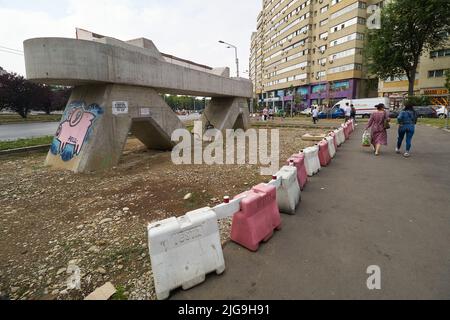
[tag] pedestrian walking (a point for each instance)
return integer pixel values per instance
(379, 123)
(265, 114)
(315, 115)
(407, 121)
(271, 114)
(353, 113)
(348, 112)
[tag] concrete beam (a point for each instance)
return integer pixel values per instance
(79, 62)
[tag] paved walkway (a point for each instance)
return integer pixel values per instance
(360, 211)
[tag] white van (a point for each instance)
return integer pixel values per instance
(364, 107)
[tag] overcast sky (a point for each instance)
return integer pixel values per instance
(189, 29)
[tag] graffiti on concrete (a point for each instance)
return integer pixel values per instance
(74, 130)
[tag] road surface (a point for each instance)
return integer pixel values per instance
(31, 130)
(361, 211)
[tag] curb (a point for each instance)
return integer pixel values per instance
(25, 150)
(293, 126)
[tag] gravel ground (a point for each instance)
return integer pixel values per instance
(54, 223)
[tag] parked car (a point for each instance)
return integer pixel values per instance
(441, 111)
(335, 113)
(307, 112)
(393, 114)
(425, 112)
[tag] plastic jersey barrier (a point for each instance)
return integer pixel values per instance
(324, 153)
(299, 163)
(288, 194)
(331, 146)
(258, 218)
(184, 250)
(312, 161)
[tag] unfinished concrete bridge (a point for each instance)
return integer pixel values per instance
(117, 87)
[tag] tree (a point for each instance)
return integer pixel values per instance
(408, 28)
(447, 80)
(16, 94)
(22, 96)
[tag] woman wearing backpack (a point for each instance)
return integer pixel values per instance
(407, 120)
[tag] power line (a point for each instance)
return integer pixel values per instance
(10, 52)
(11, 49)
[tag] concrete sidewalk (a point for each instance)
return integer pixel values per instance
(362, 210)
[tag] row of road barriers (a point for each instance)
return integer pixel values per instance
(184, 250)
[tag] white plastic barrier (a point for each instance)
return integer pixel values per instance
(352, 122)
(312, 161)
(184, 250)
(288, 193)
(341, 136)
(331, 148)
(228, 209)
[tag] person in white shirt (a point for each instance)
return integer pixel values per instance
(315, 115)
(348, 112)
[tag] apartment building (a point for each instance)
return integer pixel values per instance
(430, 78)
(310, 49)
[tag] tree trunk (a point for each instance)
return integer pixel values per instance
(412, 80)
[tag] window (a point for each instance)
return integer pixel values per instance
(356, 5)
(353, 36)
(324, 36)
(324, 9)
(347, 67)
(323, 22)
(321, 74)
(436, 73)
(440, 53)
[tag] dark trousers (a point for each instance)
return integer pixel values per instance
(315, 120)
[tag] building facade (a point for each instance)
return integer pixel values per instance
(430, 79)
(310, 52)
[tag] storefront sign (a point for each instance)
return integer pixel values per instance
(436, 92)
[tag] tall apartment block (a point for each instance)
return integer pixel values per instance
(313, 50)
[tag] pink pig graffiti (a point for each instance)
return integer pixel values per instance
(74, 130)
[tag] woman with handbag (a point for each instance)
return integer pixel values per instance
(379, 123)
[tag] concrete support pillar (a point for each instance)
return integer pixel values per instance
(96, 123)
(227, 113)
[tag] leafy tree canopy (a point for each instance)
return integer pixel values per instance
(408, 27)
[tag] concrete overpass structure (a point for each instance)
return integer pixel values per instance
(117, 87)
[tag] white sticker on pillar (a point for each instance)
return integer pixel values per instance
(145, 112)
(119, 107)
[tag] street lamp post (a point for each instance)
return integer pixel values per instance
(236, 54)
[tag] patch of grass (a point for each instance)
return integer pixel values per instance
(120, 294)
(439, 123)
(23, 143)
(15, 118)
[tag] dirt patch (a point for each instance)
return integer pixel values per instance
(51, 220)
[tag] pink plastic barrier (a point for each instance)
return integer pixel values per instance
(324, 153)
(346, 131)
(350, 126)
(299, 163)
(258, 218)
